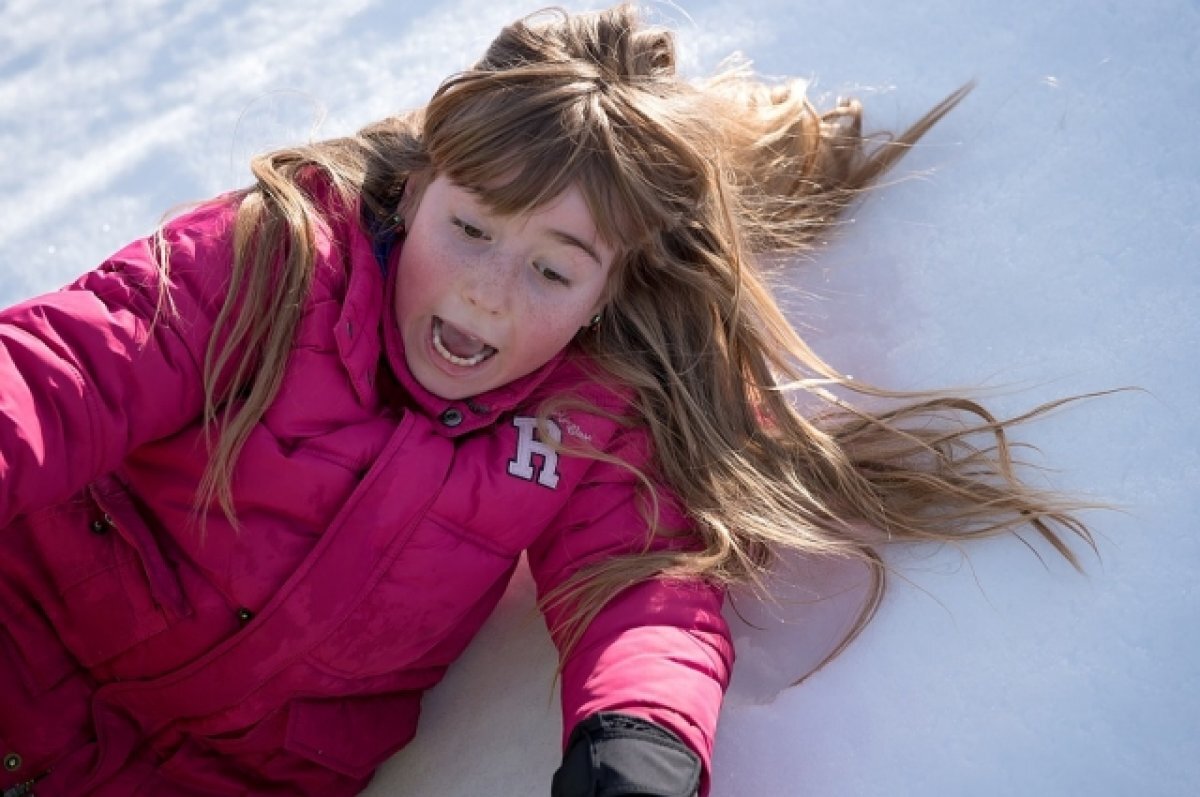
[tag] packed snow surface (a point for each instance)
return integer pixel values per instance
(1040, 242)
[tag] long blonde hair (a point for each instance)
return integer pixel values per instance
(696, 186)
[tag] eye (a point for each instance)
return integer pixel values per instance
(551, 275)
(470, 230)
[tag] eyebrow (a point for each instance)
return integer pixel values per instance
(571, 240)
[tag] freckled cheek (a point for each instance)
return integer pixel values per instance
(422, 280)
(550, 326)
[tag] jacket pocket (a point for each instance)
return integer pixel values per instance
(31, 648)
(106, 584)
(422, 605)
(352, 735)
(44, 700)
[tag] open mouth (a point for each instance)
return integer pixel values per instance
(457, 346)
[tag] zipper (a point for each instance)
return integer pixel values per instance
(23, 789)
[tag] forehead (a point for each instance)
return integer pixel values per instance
(511, 184)
(567, 212)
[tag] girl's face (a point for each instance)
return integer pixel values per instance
(484, 299)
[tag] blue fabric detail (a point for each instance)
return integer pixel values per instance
(383, 238)
(382, 243)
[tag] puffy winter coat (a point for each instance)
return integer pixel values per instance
(380, 526)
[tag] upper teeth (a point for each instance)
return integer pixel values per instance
(465, 362)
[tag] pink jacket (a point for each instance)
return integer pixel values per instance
(377, 535)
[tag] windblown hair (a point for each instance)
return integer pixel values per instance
(695, 186)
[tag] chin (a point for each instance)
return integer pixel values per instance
(450, 390)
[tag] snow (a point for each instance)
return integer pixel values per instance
(1040, 242)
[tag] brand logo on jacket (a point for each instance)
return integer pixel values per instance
(543, 469)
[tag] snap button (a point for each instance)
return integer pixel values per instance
(12, 762)
(452, 417)
(244, 615)
(99, 527)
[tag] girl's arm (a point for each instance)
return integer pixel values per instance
(90, 372)
(650, 669)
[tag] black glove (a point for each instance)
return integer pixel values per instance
(616, 755)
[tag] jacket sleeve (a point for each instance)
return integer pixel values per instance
(87, 373)
(659, 650)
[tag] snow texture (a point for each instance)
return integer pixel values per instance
(1040, 242)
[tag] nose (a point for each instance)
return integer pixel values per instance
(489, 283)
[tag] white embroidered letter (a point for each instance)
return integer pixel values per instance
(521, 465)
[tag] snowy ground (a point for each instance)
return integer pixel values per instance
(1047, 247)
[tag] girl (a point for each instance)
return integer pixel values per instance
(265, 473)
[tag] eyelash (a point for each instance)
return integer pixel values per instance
(552, 275)
(471, 232)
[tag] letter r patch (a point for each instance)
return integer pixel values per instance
(528, 446)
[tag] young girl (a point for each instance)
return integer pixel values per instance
(265, 473)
